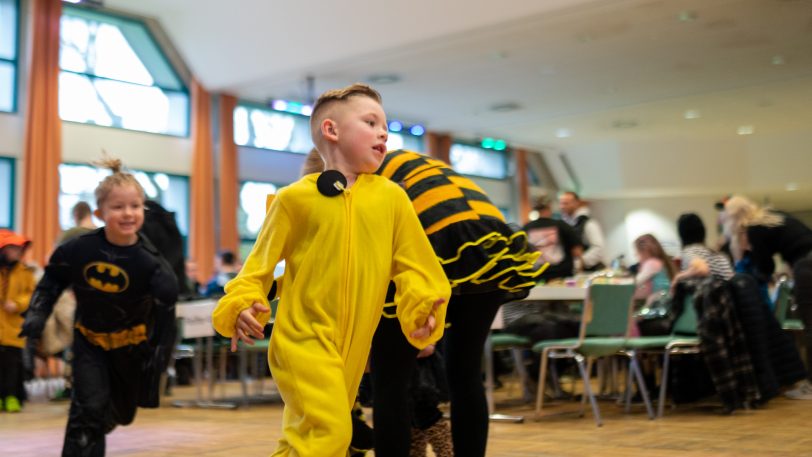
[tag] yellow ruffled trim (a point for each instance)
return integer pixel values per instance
(526, 260)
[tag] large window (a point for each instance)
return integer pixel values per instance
(114, 74)
(403, 140)
(265, 128)
(78, 182)
(476, 161)
(8, 54)
(6, 192)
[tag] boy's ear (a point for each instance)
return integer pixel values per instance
(97, 212)
(329, 129)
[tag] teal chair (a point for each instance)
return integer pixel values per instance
(683, 340)
(515, 344)
(782, 301)
(604, 329)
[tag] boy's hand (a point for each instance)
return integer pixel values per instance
(10, 307)
(248, 326)
(427, 328)
(429, 350)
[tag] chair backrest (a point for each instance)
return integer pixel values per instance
(782, 300)
(608, 309)
(686, 322)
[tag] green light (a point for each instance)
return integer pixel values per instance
(487, 143)
(499, 145)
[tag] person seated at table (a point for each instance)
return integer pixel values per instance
(656, 270)
(556, 240)
(226, 271)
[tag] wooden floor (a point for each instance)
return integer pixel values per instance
(780, 429)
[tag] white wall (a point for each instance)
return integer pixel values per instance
(623, 220)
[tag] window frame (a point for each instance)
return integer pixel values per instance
(185, 178)
(15, 62)
(12, 191)
(242, 182)
(143, 24)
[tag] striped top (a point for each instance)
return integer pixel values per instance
(440, 196)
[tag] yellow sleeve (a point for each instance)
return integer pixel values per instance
(419, 279)
(25, 289)
(254, 281)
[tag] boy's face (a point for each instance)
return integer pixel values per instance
(12, 253)
(122, 211)
(362, 133)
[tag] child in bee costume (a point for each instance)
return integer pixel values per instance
(125, 293)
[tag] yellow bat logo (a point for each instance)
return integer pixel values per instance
(106, 277)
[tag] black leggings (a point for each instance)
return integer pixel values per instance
(393, 362)
(11, 372)
(802, 274)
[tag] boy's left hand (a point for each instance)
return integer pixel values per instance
(426, 330)
(10, 306)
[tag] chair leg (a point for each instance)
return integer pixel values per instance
(589, 362)
(628, 395)
(663, 384)
(556, 381)
(542, 382)
(521, 370)
(588, 390)
(641, 384)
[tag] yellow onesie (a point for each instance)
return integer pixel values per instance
(340, 253)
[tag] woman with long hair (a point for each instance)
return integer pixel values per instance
(764, 233)
(656, 268)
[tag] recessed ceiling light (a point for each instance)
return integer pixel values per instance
(692, 114)
(384, 78)
(745, 130)
(792, 186)
(778, 60)
(624, 124)
(687, 16)
(563, 133)
(505, 107)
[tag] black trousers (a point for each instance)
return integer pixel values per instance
(105, 394)
(802, 274)
(11, 372)
(393, 361)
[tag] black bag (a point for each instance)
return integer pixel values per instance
(657, 316)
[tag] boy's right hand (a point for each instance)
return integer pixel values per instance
(248, 326)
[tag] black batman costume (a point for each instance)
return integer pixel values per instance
(123, 334)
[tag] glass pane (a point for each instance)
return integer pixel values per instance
(113, 47)
(268, 129)
(8, 29)
(399, 140)
(251, 212)
(78, 183)
(6, 191)
(471, 160)
(118, 104)
(7, 86)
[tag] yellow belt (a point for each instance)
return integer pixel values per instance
(109, 341)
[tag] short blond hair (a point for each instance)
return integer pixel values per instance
(333, 97)
(118, 178)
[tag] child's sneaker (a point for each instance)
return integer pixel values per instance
(12, 404)
(802, 392)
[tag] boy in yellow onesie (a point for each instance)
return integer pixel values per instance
(342, 241)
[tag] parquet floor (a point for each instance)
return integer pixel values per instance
(782, 428)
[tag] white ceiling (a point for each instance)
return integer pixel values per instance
(590, 66)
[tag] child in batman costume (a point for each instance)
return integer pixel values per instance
(125, 293)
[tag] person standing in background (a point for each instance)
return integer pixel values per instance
(577, 215)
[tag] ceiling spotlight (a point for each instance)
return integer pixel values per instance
(778, 60)
(692, 114)
(563, 133)
(687, 16)
(624, 124)
(792, 186)
(384, 78)
(745, 130)
(395, 126)
(505, 107)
